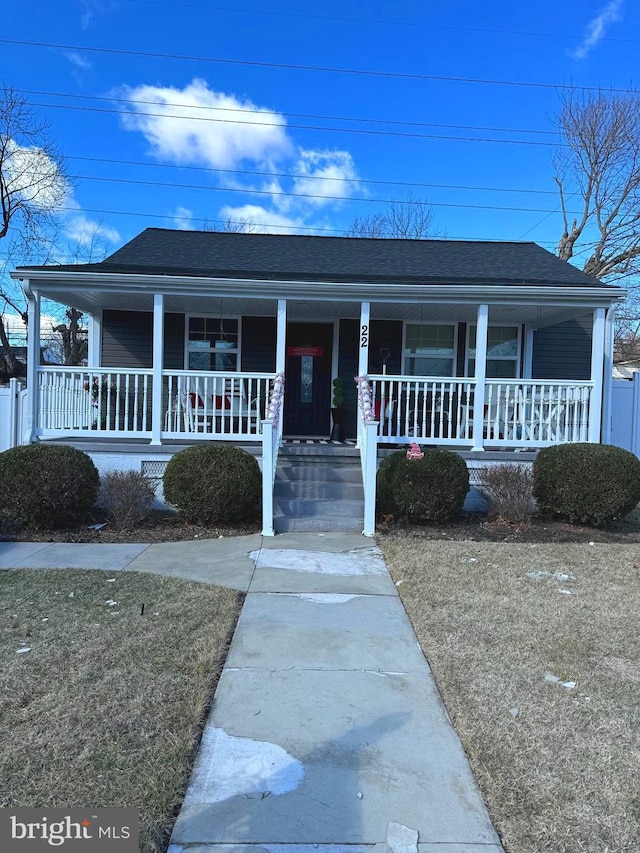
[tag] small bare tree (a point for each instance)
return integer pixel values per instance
(33, 186)
(412, 219)
(599, 166)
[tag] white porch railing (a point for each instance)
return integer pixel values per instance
(271, 440)
(90, 402)
(422, 408)
(368, 445)
(218, 405)
(516, 412)
(119, 403)
(536, 413)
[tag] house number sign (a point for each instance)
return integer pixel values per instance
(364, 336)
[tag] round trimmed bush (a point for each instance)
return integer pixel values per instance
(213, 483)
(431, 489)
(586, 483)
(47, 485)
(385, 504)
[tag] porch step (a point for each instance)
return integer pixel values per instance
(318, 491)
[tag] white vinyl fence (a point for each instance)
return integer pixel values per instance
(13, 398)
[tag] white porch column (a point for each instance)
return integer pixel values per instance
(482, 326)
(158, 355)
(608, 374)
(527, 365)
(281, 335)
(597, 374)
(363, 340)
(95, 339)
(33, 362)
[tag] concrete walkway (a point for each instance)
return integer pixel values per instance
(327, 731)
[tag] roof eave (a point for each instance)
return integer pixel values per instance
(325, 290)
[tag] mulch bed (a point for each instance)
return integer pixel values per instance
(476, 527)
(158, 527)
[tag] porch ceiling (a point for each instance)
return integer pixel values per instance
(92, 301)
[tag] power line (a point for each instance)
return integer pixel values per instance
(290, 226)
(284, 126)
(416, 24)
(271, 193)
(402, 75)
(285, 114)
(308, 177)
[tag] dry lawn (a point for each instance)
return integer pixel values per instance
(559, 768)
(107, 707)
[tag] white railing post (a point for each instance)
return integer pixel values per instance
(482, 326)
(607, 390)
(95, 339)
(370, 471)
(158, 355)
(363, 346)
(281, 335)
(14, 401)
(597, 374)
(33, 363)
(267, 478)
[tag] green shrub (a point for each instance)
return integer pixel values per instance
(126, 497)
(47, 485)
(384, 483)
(431, 489)
(213, 483)
(586, 483)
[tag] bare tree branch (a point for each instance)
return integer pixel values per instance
(412, 219)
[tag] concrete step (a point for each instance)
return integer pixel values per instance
(318, 489)
(308, 507)
(317, 524)
(328, 473)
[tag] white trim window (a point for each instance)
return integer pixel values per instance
(212, 343)
(503, 352)
(429, 349)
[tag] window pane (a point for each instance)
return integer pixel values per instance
(225, 360)
(501, 369)
(496, 369)
(502, 341)
(199, 360)
(428, 366)
(424, 339)
(306, 378)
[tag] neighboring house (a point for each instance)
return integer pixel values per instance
(473, 346)
(626, 369)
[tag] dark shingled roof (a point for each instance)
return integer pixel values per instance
(158, 251)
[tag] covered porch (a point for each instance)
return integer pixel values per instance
(463, 373)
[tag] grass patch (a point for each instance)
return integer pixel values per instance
(562, 774)
(107, 707)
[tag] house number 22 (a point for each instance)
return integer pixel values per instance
(364, 336)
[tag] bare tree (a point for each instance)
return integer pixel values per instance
(33, 186)
(599, 166)
(412, 219)
(242, 225)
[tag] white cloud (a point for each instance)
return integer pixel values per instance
(261, 220)
(85, 231)
(597, 28)
(78, 60)
(183, 220)
(31, 175)
(179, 133)
(185, 134)
(331, 174)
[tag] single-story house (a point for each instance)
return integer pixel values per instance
(474, 346)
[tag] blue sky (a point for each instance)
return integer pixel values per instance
(536, 43)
